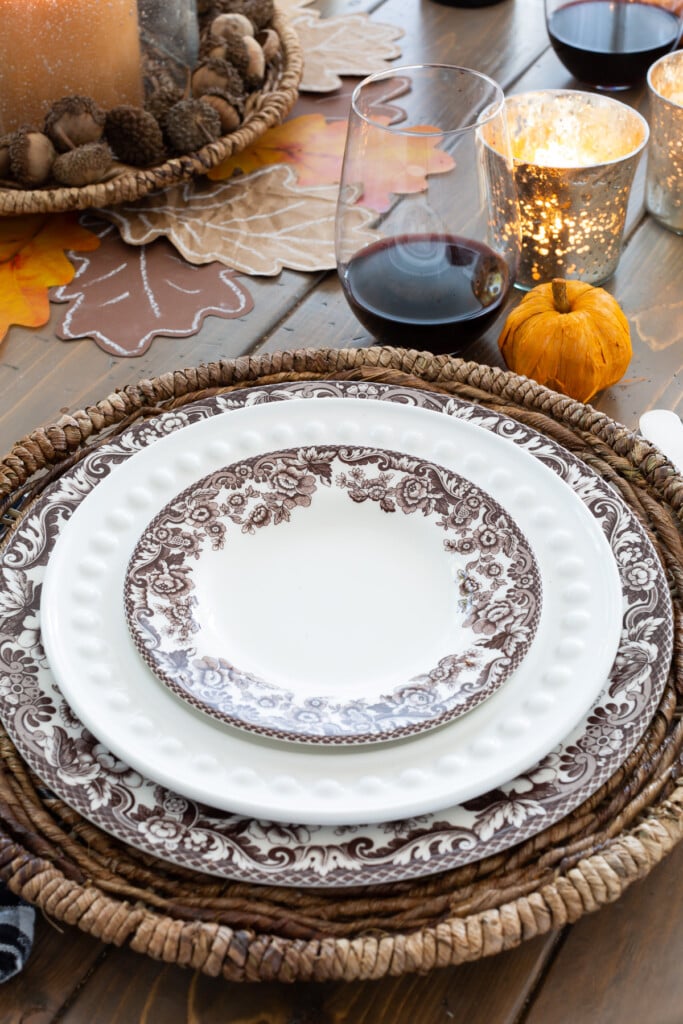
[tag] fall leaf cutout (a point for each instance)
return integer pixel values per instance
(313, 146)
(397, 164)
(257, 224)
(124, 297)
(32, 260)
(350, 44)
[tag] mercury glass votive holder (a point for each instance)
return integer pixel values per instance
(575, 155)
(664, 184)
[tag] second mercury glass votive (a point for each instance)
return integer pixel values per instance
(575, 155)
(664, 190)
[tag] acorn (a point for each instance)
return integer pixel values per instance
(217, 74)
(135, 136)
(231, 24)
(83, 165)
(31, 155)
(191, 124)
(161, 100)
(269, 41)
(234, 50)
(229, 111)
(74, 121)
(255, 71)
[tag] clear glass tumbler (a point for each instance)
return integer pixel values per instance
(610, 44)
(433, 260)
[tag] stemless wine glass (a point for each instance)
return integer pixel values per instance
(433, 260)
(610, 44)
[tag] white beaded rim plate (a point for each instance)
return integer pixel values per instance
(109, 687)
(240, 590)
(139, 811)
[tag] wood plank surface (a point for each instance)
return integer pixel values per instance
(622, 965)
(122, 987)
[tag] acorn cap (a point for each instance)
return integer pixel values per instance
(31, 155)
(234, 50)
(259, 12)
(74, 121)
(191, 124)
(161, 100)
(135, 136)
(83, 165)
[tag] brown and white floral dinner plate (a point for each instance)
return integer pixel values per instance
(138, 810)
(229, 576)
(111, 689)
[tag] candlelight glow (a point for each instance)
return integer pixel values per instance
(664, 190)
(574, 156)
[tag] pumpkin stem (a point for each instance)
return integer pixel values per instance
(562, 303)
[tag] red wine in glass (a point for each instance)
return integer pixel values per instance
(611, 44)
(426, 290)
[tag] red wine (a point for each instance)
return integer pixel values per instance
(426, 291)
(611, 44)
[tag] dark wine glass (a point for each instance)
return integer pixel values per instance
(610, 44)
(427, 232)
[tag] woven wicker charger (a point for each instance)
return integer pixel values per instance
(265, 108)
(77, 874)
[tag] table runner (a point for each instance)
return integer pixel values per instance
(52, 857)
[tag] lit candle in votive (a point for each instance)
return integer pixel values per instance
(664, 191)
(55, 48)
(574, 156)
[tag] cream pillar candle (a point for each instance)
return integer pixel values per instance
(55, 48)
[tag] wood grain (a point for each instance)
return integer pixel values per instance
(60, 961)
(128, 988)
(622, 965)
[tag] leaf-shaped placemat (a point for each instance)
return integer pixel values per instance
(351, 44)
(123, 297)
(257, 224)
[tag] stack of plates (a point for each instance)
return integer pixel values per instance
(329, 634)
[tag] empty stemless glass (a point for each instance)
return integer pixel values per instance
(435, 265)
(610, 44)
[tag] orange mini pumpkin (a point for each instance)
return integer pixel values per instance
(572, 336)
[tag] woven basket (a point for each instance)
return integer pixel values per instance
(265, 108)
(78, 875)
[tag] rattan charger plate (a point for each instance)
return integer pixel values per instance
(78, 875)
(265, 108)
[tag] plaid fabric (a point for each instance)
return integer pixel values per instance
(16, 933)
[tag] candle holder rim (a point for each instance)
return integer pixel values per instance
(674, 57)
(600, 100)
(493, 109)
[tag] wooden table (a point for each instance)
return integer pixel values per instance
(619, 965)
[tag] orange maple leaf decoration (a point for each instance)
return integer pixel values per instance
(395, 164)
(313, 146)
(32, 260)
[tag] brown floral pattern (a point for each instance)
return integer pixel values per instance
(496, 606)
(82, 772)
